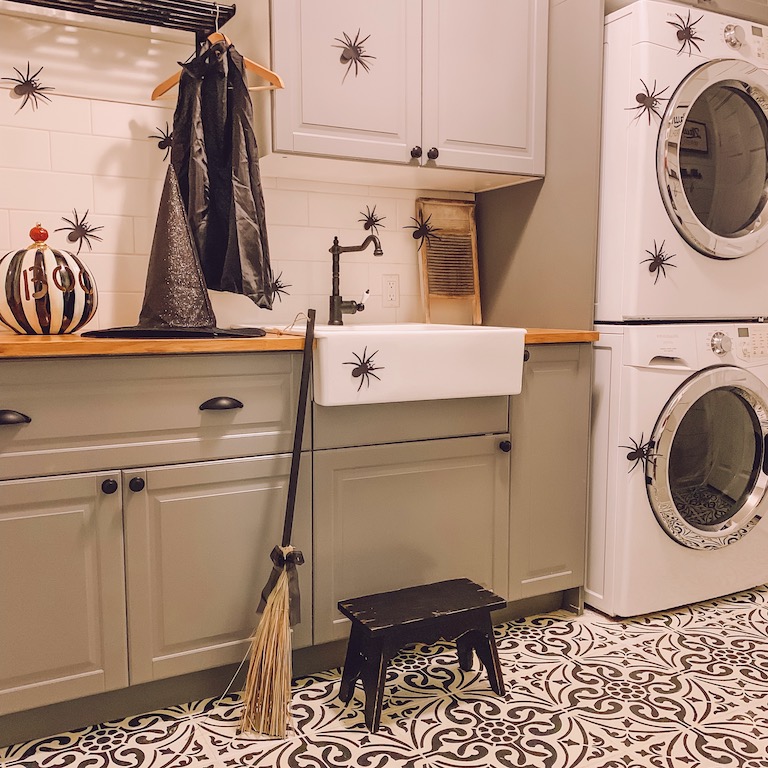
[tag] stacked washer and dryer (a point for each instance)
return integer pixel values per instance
(679, 466)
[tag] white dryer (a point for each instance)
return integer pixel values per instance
(683, 231)
(679, 471)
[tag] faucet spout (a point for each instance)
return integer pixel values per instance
(338, 306)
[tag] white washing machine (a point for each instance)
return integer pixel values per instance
(679, 470)
(683, 231)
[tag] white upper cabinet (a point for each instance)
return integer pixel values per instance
(436, 83)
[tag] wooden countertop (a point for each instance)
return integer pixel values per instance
(73, 345)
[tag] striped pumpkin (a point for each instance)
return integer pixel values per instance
(46, 291)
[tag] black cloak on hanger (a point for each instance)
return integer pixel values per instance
(215, 157)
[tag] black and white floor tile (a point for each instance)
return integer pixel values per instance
(680, 689)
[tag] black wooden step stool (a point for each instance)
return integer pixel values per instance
(382, 624)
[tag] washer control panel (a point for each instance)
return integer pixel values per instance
(721, 343)
(751, 342)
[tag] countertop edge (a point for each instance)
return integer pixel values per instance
(73, 345)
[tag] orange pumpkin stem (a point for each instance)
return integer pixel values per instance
(38, 233)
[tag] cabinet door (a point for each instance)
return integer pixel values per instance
(352, 75)
(394, 516)
(484, 84)
(62, 602)
(550, 439)
(198, 538)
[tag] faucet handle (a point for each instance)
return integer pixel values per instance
(361, 304)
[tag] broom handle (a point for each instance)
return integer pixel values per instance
(306, 366)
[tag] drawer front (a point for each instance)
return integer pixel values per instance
(99, 413)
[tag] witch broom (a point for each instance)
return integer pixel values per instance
(267, 692)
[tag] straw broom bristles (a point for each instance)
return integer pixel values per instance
(267, 692)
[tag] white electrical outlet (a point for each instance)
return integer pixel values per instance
(390, 291)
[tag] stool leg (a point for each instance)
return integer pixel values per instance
(485, 645)
(353, 663)
(374, 675)
(464, 647)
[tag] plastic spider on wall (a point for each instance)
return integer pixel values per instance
(29, 87)
(423, 230)
(277, 288)
(648, 101)
(353, 53)
(371, 220)
(80, 231)
(165, 139)
(659, 261)
(364, 368)
(686, 33)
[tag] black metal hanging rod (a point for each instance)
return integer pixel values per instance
(199, 16)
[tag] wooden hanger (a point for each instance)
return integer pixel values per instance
(216, 37)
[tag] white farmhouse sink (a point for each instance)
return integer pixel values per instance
(415, 361)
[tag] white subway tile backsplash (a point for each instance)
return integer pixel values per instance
(24, 148)
(106, 156)
(287, 207)
(61, 113)
(118, 274)
(126, 197)
(129, 121)
(5, 232)
(44, 190)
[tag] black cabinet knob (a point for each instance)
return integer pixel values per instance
(526, 356)
(505, 446)
(416, 152)
(109, 486)
(8, 416)
(221, 404)
(433, 153)
(136, 484)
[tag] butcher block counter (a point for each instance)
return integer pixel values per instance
(74, 345)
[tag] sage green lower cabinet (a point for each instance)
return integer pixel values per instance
(197, 542)
(549, 423)
(62, 600)
(398, 515)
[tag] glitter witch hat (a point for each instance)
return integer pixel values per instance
(176, 302)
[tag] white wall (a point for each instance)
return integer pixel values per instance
(88, 149)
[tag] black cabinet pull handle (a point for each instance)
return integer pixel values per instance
(416, 152)
(136, 484)
(109, 486)
(8, 416)
(505, 446)
(526, 356)
(433, 153)
(221, 404)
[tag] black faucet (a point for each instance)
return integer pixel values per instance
(338, 306)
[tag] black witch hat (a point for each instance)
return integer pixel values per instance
(176, 302)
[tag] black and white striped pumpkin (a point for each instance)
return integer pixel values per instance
(46, 291)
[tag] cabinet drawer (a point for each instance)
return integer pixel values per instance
(99, 413)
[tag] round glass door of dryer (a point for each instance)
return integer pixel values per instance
(706, 464)
(712, 158)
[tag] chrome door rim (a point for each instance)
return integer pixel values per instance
(755, 394)
(738, 75)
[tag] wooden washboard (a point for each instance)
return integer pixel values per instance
(449, 256)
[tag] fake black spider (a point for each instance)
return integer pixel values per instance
(658, 261)
(371, 220)
(639, 452)
(80, 230)
(29, 87)
(686, 33)
(166, 139)
(353, 53)
(648, 101)
(364, 368)
(423, 230)
(277, 288)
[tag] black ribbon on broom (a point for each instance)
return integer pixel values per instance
(285, 560)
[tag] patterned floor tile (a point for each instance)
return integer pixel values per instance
(686, 688)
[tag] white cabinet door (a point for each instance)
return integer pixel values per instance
(352, 74)
(62, 601)
(484, 84)
(395, 516)
(197, 542)
(440, 83)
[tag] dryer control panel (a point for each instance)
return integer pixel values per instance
(751, 342)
